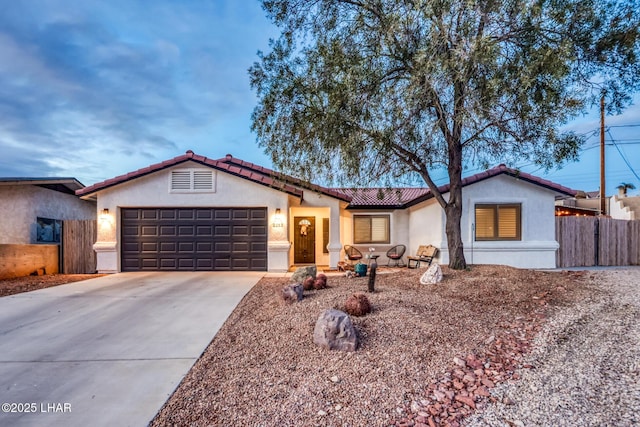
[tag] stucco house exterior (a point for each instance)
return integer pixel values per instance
(196, 213)
(26, 202)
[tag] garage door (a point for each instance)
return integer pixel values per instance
(194, 239)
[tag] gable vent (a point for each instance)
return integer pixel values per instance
(180, 180)
(203, 180)
(192, 180)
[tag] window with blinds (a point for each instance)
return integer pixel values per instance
(371, 229)
(192, 180)
(498, 221)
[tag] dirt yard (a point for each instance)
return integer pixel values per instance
(33, 283)
(428, 354)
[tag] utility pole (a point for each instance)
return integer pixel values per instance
(603, 204)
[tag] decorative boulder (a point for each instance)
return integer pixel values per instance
(335, 331)
(358, 305)
(302, 273)
(432, 276)
(308, 283)
(319, 284)
(292, 293)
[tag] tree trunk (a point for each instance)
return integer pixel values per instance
(453, 209)
(453, 214)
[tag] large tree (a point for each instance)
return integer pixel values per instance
(362, 90)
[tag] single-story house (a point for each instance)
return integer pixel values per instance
(32, 211)
(196, 213)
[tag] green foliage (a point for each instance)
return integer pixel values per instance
(364, 90)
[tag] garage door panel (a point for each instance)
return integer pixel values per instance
(194, 239)
(168, 230)
(222, 214)
(149, 263)
(222, 247)
(222, 231)
(258, 230)
(186, 214)
(130, 230)
(149, 247)
(149, 214)
(187, 247)
(168, 247)
(240, 214)
(204, 247)
(204, 231)
(240, 230)
(168, 214)
(149, 230)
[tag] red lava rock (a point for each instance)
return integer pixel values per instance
(487, 382)
(482, 391)
(432, 422)
(467, 401)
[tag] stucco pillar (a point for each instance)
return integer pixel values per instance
(335, 245)
(106, 246)
(278, 245)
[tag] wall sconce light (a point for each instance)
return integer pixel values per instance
(277, 219)
(105, 211)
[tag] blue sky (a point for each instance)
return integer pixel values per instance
(94, 89)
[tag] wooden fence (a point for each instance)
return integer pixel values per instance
(591, 241)
(78, 237)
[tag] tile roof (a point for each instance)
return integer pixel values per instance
(362, 198)
(383, 197)
(278, 176)
(367, 198)
(63, 185)
(228, 164)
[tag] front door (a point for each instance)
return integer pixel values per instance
(304, 240)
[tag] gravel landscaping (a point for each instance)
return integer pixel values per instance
(32, 283)
(428, 354)
(587, 364)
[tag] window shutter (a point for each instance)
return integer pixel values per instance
(508, 222)
(180, 180)
(485, 222)
(360, 229)
(379, 229)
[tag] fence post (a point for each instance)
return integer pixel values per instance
(596, 236)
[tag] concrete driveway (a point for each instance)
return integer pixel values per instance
(108, 351)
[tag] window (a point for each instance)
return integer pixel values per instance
(325, 235)
(192, 180)
(371, 229)
(498, 221)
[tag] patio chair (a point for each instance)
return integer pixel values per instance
(423, 254)
(352, 253)
(395, 255)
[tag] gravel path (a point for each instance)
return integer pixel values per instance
(586, 364)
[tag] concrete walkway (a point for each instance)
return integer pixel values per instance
(108, 351)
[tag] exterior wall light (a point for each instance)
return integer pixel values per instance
(277, 221)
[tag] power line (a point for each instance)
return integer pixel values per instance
(623, 157)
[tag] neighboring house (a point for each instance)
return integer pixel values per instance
(196, 213)
(625, 207)
(32, 209)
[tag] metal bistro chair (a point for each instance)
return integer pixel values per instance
(395, 255)
(352, 253)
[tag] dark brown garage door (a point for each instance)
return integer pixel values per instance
(194, 239)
